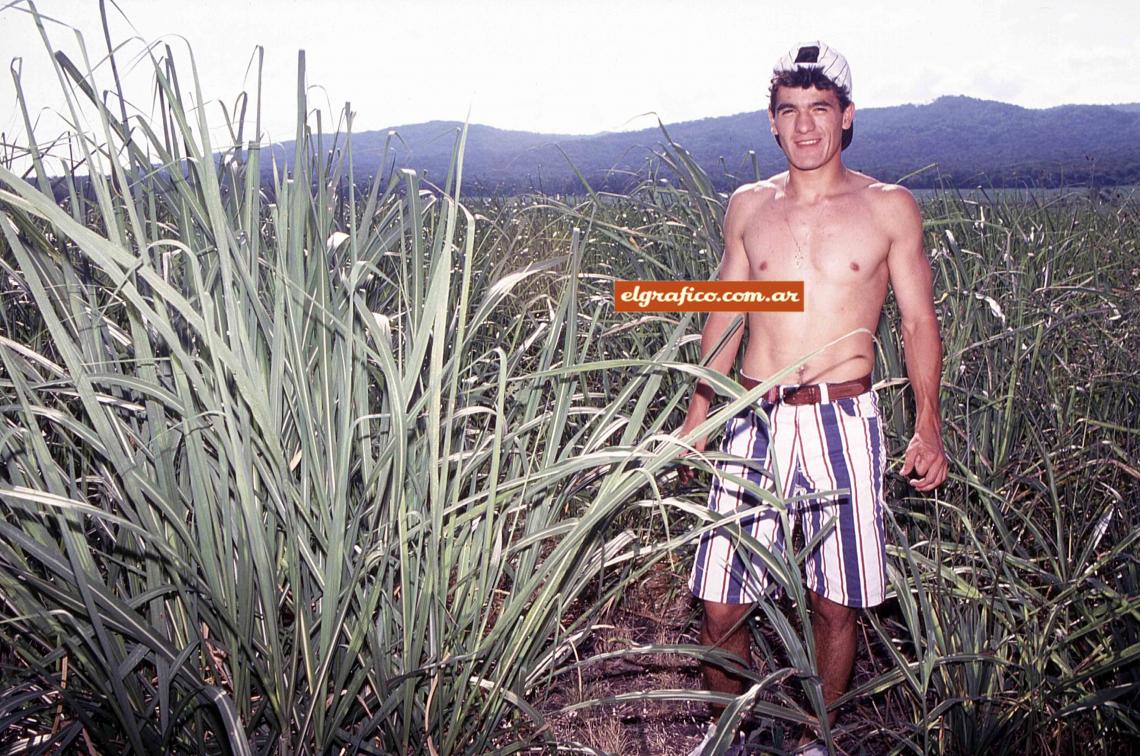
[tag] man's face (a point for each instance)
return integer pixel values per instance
(810, 125)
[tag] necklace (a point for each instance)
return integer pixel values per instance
(798, 260)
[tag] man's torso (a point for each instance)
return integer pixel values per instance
(838, 247)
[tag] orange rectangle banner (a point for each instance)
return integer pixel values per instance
(708, 296)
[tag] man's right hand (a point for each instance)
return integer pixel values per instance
(685, 473)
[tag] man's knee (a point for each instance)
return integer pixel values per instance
(723, 620)
(833, 616)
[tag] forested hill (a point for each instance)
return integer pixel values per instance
(973, 142)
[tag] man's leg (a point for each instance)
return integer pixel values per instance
(725, 578)
(833, 628)
(847, 569)
(724, 627)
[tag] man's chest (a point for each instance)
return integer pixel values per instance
(834, 248)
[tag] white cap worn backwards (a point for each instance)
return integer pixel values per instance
(817, 55)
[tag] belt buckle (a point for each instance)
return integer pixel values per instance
(801, 394)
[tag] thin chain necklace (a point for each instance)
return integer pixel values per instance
(798, 260)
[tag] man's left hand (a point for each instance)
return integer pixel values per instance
(925, 463)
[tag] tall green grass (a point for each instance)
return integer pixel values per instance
(1019, 593)
(359, 464)
(278, 476)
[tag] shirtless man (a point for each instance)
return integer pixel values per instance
(845, 235)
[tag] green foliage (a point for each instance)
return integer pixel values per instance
(323, 466)
(278, 476)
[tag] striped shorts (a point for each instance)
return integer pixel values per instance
(806, 453)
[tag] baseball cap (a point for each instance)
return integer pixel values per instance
(817, 55)
(831, 64)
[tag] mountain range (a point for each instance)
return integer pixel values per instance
(952, 141)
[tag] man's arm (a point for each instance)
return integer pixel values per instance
(912, 283)
(733, 267)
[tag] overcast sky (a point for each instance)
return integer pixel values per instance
(584, 66)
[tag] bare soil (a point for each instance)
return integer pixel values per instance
(660, 610)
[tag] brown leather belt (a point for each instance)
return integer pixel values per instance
(810, 393)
